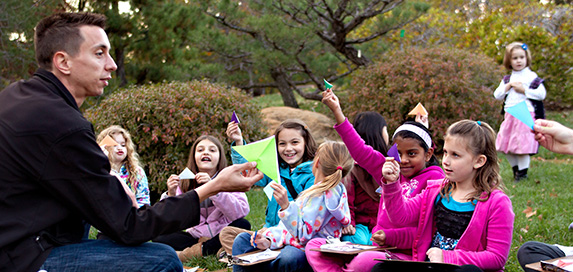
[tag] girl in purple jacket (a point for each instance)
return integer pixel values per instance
(464, 219)
(206, 158)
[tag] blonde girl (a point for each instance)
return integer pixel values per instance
(464, 219)
(515, 138)
(125, 162)
(320, 211)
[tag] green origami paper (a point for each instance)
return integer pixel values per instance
(264, 152)
(327, 84)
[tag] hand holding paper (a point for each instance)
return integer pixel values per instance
(264, 152)
(421, 114)
(327, 85)
(186, 174)
(391, 170)
(235, 118)
(554, 136)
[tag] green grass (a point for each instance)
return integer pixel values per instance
(548, 191)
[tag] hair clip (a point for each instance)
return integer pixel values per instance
(479, 123)
(524, 46)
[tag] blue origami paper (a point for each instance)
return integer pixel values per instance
(521, 112)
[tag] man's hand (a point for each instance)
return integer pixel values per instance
(234, 178)
(554, 136)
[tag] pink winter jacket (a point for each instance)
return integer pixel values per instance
(485, 243)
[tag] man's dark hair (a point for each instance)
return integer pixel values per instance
(60, 32)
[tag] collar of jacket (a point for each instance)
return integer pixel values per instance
(57, 87)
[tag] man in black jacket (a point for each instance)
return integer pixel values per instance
(54, 176)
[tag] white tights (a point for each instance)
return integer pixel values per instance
(520, 160)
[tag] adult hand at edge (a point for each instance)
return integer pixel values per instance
(234, 178)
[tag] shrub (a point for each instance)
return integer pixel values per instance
(452, 84)
(164, 120)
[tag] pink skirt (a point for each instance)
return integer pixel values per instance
(515, 137)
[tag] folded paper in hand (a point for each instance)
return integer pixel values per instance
(186, 174)
(264, 152)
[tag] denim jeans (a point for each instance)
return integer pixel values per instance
(106, 255)
(290, 258)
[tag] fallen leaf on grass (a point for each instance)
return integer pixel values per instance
(529, 212)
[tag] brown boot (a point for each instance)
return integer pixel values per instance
(190, 252)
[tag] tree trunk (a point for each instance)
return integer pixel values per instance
(284, 87)
(120, 72)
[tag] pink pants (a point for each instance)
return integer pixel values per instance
(334, 262)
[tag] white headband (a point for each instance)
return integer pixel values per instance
(416, 130)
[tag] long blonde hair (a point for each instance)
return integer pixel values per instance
(480, 138)
(335, 163)
(131, 160)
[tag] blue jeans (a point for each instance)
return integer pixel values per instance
(290, 258)
(106, 255)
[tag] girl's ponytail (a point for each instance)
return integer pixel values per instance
(335, 163)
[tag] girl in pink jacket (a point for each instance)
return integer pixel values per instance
(464, 219)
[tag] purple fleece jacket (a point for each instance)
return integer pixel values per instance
(372, 161)
(485, 242)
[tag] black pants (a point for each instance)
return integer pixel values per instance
(181, 240)
(533, 251)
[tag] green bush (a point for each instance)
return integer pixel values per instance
(452, 84)
(164, 120)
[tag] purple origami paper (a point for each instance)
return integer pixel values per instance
(393, 152)
(234, 118)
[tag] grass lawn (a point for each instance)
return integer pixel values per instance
(541, 203)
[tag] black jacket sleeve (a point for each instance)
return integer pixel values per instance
(77, 173)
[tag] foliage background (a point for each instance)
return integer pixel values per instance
(164, 120)
(452, 84)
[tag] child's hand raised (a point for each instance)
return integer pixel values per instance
(234, 133)
(422, 119)
(331, 100)
(172, 182)
(280, 194)
(391, 170)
